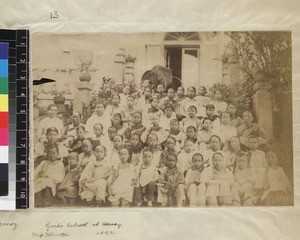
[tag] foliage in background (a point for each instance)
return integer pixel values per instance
(231, 95)
(268, 52)
(51, 89)
(107, 90)
(224, 89)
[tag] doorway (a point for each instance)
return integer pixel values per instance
(184, 63)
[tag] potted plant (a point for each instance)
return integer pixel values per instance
(58, 95)
(84, 65)
(129, 60)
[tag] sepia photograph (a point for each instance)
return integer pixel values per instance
(162, 119)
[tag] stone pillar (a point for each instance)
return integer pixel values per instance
(129, 72)
(233, 69)
(119, 60)
(262, 103)
(82, 95)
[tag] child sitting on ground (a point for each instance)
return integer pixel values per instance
(68, 189)
(144, 184)
(171, 184)
(120, 181)
(277, 191)
(48, 174)
(220, 184)
(93, 179)
(244, 178)
(195, 180)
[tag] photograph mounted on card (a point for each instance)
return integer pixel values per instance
(166, 119)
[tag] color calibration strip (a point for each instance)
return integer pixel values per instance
(18, 114)
(4, 159)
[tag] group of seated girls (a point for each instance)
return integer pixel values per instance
(162, 149)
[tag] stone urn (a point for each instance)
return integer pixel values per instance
(85, 77)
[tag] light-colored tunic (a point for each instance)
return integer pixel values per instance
(84, 159)
(121, 186)
(48, 174)
(145, 175)
(225, 132)
(92, 182)
(184, 160)
(276, 180)
(223, 188)
(258, 164)
(104, 120)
